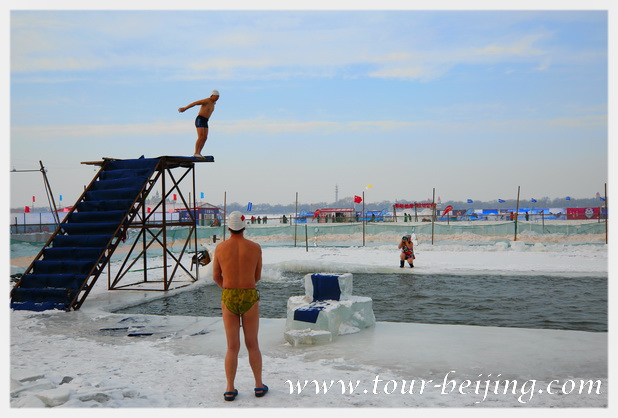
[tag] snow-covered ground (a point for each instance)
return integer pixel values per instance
(87, 358)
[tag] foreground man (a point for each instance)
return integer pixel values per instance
(237, 267)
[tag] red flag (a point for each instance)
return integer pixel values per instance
(447, 209)
(175, 197)
(33, 199)
(27, 209)
(357, 199)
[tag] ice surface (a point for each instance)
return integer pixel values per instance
(181, 364)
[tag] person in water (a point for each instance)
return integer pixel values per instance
(237, 267)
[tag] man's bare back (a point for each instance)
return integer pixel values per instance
(237, 263)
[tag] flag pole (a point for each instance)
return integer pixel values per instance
(517, 212)
(364, 220)
(606, 213)
(224, 212)
(433, 217)
(296, 219)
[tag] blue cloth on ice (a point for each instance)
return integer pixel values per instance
(325, 287)
(308, 313)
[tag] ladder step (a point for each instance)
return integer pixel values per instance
(63, 267)
(89, 228)
(97, 217)
(66, 281)
(72, 253)
(81, 240)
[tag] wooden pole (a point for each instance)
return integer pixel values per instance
(364, 220)
(606, 214)
(433, 217)
(517, 212)
(224, 213)
(296, 220)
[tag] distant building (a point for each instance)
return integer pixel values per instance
(207, 214)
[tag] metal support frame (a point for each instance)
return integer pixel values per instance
(153, 234)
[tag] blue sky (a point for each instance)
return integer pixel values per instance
(474, 103)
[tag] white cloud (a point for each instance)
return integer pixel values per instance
(413, 73)
(544, 65)
(183, 127)
(272, 126)
(586, 121)
(523, 47)
(249, 45)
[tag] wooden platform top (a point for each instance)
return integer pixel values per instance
(168, 160)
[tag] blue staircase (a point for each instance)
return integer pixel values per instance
(63, 273)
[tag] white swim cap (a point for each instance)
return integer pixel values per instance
(236, 221)
(215, 93)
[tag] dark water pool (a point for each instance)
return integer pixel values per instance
(486, 300)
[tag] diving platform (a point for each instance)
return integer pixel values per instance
(106, 215)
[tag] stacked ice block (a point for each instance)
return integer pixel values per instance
(328, 309)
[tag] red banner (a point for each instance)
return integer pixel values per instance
(357, 199)
(582, 213)
(413, 205)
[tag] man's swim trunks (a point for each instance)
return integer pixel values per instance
(239, 301)
(201, 122)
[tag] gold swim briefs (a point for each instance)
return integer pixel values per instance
(239, 301)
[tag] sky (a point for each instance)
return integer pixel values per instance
(474, 103)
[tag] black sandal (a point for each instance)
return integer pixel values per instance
(259, 392)
(230, 396)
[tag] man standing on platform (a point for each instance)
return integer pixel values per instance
(237, 267)
(207, 106)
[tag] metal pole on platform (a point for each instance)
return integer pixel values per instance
(164, 223)
(50, 194)
(195, 223)
(142, 232)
